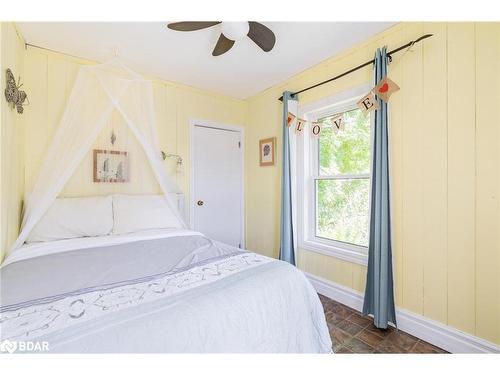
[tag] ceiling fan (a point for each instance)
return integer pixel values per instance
(231, 32)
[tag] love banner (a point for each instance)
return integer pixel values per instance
(367, 104)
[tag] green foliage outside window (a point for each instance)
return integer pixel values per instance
(342, 204)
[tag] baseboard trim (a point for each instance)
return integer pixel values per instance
(436, 333)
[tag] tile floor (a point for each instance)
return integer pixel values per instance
(353, 333)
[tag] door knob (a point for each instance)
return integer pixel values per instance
(199, 203)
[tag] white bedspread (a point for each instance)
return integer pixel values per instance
(195, 295)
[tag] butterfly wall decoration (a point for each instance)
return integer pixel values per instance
(12, 93)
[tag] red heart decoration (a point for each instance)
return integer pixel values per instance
(384, 88)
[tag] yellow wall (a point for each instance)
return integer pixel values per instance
(444, 126)
(11, 140)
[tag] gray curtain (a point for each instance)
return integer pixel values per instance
(287, 249)
(379, 296)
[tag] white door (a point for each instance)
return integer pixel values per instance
(217, 199)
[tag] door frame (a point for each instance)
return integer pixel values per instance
(216, 125)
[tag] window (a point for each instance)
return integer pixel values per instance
(342, 180)
(336, 183)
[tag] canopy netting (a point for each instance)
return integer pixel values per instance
(101, 93)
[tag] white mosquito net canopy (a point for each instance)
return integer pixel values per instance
(101, 94)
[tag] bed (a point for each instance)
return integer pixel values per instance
(158, 290)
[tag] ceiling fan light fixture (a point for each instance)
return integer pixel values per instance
(259, 33)
(235, 30)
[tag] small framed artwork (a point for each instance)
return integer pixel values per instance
(110, 166)
(266, 151)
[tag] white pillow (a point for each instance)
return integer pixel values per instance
(74, 217)
(133, 213)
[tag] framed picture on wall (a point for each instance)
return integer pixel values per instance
(266, 151)
(110, 166)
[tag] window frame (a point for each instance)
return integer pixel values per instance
(308, 174)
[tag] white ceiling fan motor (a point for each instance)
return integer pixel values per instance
(235, 30)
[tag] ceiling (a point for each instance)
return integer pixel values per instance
(186, 57)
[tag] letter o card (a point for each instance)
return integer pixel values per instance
(367, 103)
(316, 129)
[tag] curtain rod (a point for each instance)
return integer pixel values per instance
(407, 45)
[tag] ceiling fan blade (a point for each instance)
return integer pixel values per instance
(223, 45)
(192, 25)
(262, 36)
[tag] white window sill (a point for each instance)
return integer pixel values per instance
(339, 252)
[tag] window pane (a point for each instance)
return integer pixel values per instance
(342, 210)
(348, 151)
